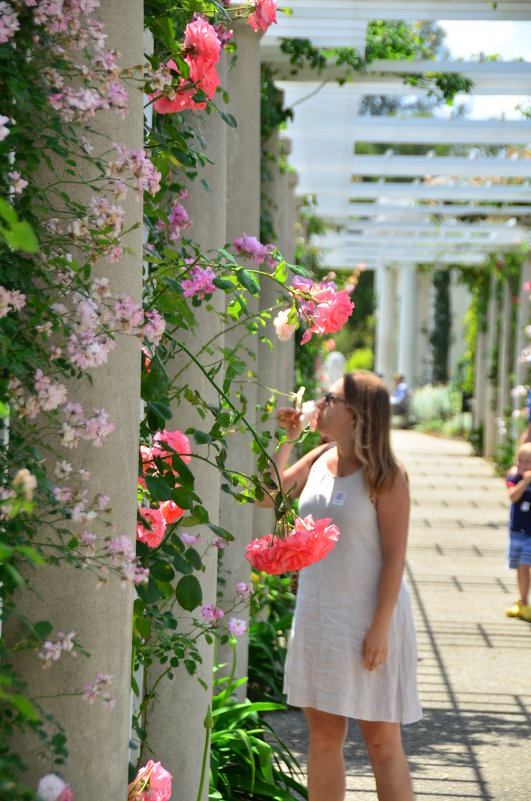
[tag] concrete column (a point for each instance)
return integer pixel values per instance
(286, 239)
(385, 324)
(459, 305)
(490, 400)
(423, 328)
(504, 358)
(97, 739)
(243, 215)
(520, 368)
(480, 393)
(407, 357)
(175, 728)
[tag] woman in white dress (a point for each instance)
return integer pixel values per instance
(353, 647)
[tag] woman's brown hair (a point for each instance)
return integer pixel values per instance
(367, 396)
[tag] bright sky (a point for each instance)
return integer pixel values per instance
(510, 40)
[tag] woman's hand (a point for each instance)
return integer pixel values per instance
(290, 419)
(374, 647)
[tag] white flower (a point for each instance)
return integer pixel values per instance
(50, 787)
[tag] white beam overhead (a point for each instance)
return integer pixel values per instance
(388, 210)
(330, 24)
(433, 130)
(444, 9)
(391, 257)
(419, 166)
(384, 77)
(434, 242)
(451, 191)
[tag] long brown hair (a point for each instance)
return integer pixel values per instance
(368, 397)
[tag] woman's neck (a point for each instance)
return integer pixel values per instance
(347, 461)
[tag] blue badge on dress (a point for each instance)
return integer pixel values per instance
(339, 498)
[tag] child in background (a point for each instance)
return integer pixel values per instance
(519, 551)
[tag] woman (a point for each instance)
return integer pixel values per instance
(353, 647)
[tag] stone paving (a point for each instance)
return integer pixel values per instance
(474, 669)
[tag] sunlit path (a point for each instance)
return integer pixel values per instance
(473, 742)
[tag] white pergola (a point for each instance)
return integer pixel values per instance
(397, 212)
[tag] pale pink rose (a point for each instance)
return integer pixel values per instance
(152, 783)
(170, 511)
(264, 15)
(153, 536)
(52, 788)
(283, 329)
(237, 627)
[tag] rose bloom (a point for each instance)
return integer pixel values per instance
(170, 511)
(158, 783)
(153, 536)
(265, 13)
(309, 542)
(283, 329)
(52, 788)
(176, 440)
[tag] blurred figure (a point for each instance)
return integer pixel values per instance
(400, 396)
(519, 551)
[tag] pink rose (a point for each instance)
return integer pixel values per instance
(151, 536)
(265, 13)
(176, 440)
(152, 783)
(309, 542)
(170, 511)
(202, 44)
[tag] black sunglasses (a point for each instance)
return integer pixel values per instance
(331, 397)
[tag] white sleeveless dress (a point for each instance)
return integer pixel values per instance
(336, 599)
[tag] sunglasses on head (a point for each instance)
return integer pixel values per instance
(331, 397)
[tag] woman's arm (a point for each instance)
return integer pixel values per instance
(393, 522)
(293, 478)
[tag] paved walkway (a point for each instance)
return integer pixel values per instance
(474, 741)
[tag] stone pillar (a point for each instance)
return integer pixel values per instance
(490, 399)
(385, 324)
(286, 239)
(480, 393)
(459, 305)
(175, 728)
(407, 357)
(522, 320)
(97, 738)
(243, 215)
(504, 359)
(423, 328)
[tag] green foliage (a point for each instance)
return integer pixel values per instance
(440, 334)
(432, 404)
(362, 359)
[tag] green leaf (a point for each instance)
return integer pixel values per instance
(229, 119)
(149, 593)
(281, 274)
(200, 514)
(221, 532)
(158, 488)
(160, 409)
(160, 570)
(4, 410)
(42, 628)
(182, 565)
(22, 237)
(25, 707)
(194, 558)
(189, 593)
(248, 280)
(6, 551)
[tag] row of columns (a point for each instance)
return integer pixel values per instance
(98, 739)
(404, 319)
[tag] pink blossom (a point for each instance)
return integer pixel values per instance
(4, 130)
(250, 247)
(18, 184)
(137, 164)
(188, 539)
(237, 627)
(11, 300)
(154, 327)
(174, 439)
(51, 393)
(325, 309)
(264, 14)
(211, 613)
(244, 590)
(283, 328)
(153, 535)
(309, 542)
(200, 282)
(178, 221)
(171, 512)
(62, 494)
(9, 23)
(152, 783)
(52, 788)
(219, 543)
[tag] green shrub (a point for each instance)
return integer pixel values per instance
(361, 359)
(433, 404)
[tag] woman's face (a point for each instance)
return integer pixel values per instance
(335, 416)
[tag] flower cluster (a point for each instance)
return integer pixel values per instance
(135, 166)
(102, 681)
(122, 557)
(152, 783)
(202, 48)
(264, 14)
(252, 249)
(11, 300)
(309, 541)
(51, 651)
(200, 283)
(324, 308)
(178, 221)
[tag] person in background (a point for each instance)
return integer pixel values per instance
(519, 550)
(526, 435)
(400, 396)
